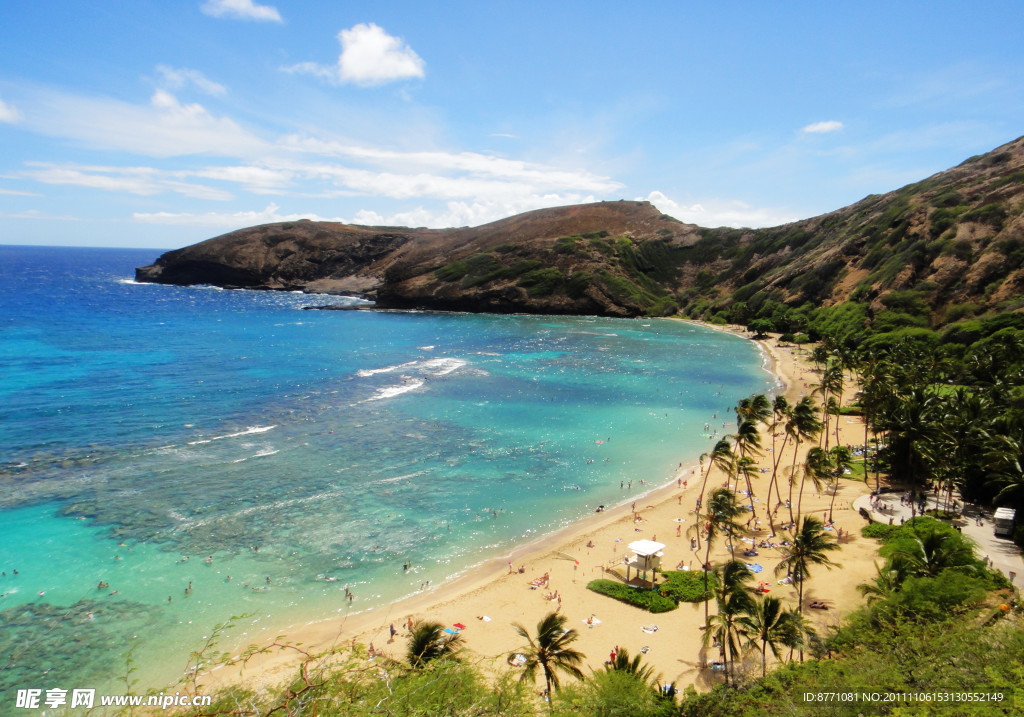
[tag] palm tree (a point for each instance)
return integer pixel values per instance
(722, 457)
(886, 582)
(802, 425)
(818, 467)
(753, 408)
(810, 546)
(841, 459)
(551, 651)
(934, 551)
(912, 423)
(831, 383)
(780, 414)
(874, 391)
(964, 433)
(748, 441)
(847, 360)
(430, 642)
(797, 631)
(733, 600)
(719, 517)
(1006, 458)
(635, 667)
(766, 623)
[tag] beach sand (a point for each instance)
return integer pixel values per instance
(675, 648)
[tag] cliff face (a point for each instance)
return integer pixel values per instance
(305, 255)
(564, 260)
(955, 237)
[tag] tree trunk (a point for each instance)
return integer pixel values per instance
(792, 478)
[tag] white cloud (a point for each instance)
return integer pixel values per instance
(227, 220)
(312, 68)
(369, 57)
(823, 127)
(466, 214)
(417, 165)
(721, 213)
(9, 113)
(19, 193)
(255, 179)
(36, 214)
(178, 77)
(241, 10)
(163, 128)
(453, 214)
(140, 181)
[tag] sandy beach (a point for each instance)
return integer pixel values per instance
(495, 594)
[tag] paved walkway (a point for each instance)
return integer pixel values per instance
(1005, 555)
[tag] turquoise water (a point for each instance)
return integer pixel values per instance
(159, 437)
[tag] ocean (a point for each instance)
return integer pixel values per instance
(175, 457)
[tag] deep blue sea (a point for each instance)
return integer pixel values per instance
(155, 438)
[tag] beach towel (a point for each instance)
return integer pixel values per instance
(460, 626)
(754, 567)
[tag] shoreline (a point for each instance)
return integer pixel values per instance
(572, 555)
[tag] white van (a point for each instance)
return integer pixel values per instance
(1003, 520)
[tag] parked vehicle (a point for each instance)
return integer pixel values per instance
(1004, 520)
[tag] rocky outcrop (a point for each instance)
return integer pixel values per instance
(308, 256)
(954, 238)
(562, 260)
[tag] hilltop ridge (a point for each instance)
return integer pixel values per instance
(955, 241)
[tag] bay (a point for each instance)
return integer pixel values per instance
(269, 460)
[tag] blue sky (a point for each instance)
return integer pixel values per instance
(159, 123)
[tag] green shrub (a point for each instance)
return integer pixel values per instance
(649, 600)
(567, 245)
(934, 598)
(881, 531)
(452, 271)
(687, 586)
(542, 282)
(991, 214)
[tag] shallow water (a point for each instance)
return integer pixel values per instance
(159, 437)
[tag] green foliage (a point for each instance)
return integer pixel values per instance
(568, 245)
(881, 531)
(452, 271)
(945, 218)
(949, 198)
(578, 283)
(542, 282)
(650, 600)
(992, 214)
(484, 268)
(847, 323)
(613, 692)
(931, 598)
(687, 586)
(903, 656)
(924, 338)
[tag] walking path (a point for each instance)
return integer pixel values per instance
(1004, 554)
